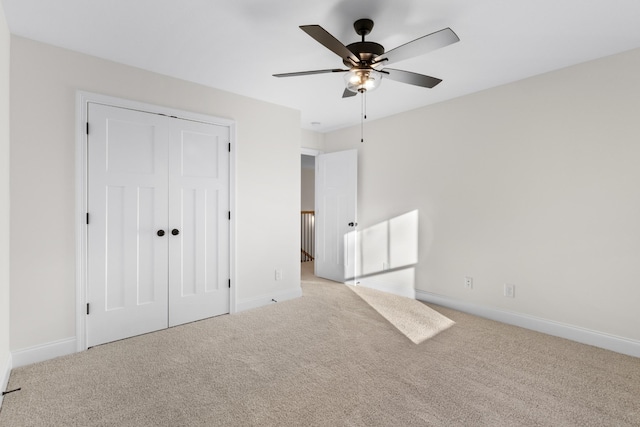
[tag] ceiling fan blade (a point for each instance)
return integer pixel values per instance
(411, 78)
(420, 46)
(348, 94)
(307, 73)
(323, 37)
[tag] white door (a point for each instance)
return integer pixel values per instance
(148, 175)
(127, 199)
(198, 213)
(336, 195)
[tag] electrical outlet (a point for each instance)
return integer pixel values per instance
(509, 290)
(468, 282)
(278, 274)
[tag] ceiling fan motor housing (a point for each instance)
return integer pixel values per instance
(366, 51)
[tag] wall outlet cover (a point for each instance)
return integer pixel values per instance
(509, 290)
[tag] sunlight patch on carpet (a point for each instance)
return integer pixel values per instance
(415, 320)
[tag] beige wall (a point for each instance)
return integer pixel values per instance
(312, 140)
(4, 196)
(44, 81)
(534, 183)
(308, 190)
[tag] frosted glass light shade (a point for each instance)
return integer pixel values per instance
(361, 80)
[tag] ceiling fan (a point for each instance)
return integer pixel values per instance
(366, 60)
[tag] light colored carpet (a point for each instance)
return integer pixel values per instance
(329, 359)
(415, 320)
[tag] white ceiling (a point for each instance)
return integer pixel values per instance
(236, 45)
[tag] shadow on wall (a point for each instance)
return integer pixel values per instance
(387, 254)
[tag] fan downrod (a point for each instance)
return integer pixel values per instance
(365, 51)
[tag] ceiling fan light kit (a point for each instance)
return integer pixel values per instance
(359, 80)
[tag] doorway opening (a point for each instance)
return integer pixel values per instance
(307, 208)
(335, 224)
(307, 212)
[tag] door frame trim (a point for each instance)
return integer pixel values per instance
(310, 152)
(83, 99)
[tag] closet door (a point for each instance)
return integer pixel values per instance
(127, 204)
(158, 232)
(198, 221)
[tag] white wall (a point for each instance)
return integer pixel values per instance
(534, 183)
(44, 81)
(4, 199)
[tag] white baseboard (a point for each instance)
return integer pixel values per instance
(5, 372)
(562, 330)
(43, 352)
(268, 299)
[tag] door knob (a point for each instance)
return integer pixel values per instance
(175, 231)
(160, 233)
(353, 224)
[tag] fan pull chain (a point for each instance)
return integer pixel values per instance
(362, 118)
(365, 105)
(363, 114)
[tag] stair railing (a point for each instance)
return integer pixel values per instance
(307, 235)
